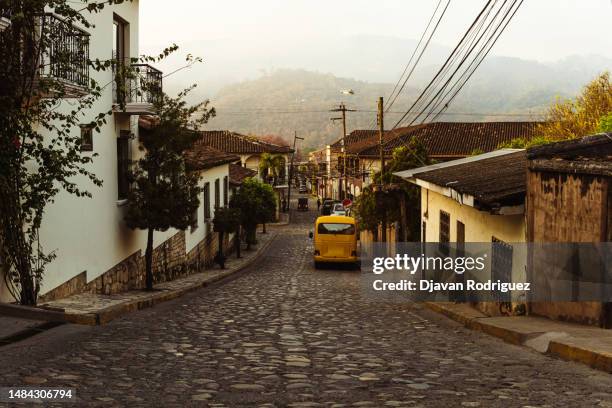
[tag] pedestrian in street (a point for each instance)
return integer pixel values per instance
(318, 204)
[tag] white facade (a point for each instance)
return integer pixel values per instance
(89, 234)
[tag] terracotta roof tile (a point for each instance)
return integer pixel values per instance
(236, 143)
(237, 173)
(201, 157)
(456, 139)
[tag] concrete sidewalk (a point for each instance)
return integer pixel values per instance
(585, 344)
(96, 309)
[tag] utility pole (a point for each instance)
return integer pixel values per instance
(381, 130)
(342, 108)
(295, 138)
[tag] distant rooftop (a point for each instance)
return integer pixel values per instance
(443, 140)
(239, 144)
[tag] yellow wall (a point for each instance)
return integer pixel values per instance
(480, 226)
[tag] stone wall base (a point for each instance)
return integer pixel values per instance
(170, 261)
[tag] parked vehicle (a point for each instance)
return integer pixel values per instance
(335, 240)
(326, 207)
(338, 209)
(302, 204)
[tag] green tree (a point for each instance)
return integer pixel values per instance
(257, 204)
(271, 166)
(39, 139)
(376, 207)
(605, 124)
(164, 192)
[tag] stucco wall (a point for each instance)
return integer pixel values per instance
(88, 235)
(480, 226)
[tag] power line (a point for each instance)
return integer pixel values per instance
(388, 108)
(445, 63)
(486, 32)
(446, 105)
(445, 69)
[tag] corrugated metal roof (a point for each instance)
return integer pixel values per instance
(492, 181)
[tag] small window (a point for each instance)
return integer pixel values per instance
(225, 191)
(123, 165)
(444, 237)
(217, 194)
(86, 138)
(206, 201)
(444, 226)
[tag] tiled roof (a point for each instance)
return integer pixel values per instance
(356, 136)
(492, 181)
(237, 173)
(236, 143)
(201, 157)
(456, 139)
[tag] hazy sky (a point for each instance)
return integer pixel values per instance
(229, 33)
(542, 29)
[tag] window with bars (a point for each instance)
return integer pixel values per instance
(206, 201)
(444, 238)
(501, 265)
(225, 191)
(86, 138)
(444, 226)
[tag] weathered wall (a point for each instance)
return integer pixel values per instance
(565, 207)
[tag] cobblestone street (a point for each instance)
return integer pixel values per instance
(284, 334)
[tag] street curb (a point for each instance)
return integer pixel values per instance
(599, 361)
(106, 315)
(559, 348)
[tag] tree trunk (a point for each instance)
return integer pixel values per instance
(264, 229)
(221, 259)
(149, 261)
(237, 242)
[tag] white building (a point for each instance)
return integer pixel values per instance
(94, 249)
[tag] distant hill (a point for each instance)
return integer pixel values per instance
(267, 105)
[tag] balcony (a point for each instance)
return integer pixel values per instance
(64, 58)
(136, 88)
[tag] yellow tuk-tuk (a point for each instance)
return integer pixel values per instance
(335, 240)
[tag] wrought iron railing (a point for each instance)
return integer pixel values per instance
(136, 83)
(64, 51)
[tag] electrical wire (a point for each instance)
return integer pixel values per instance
(489, 36)
(487, 5)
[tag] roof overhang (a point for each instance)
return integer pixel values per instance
(407, 174)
